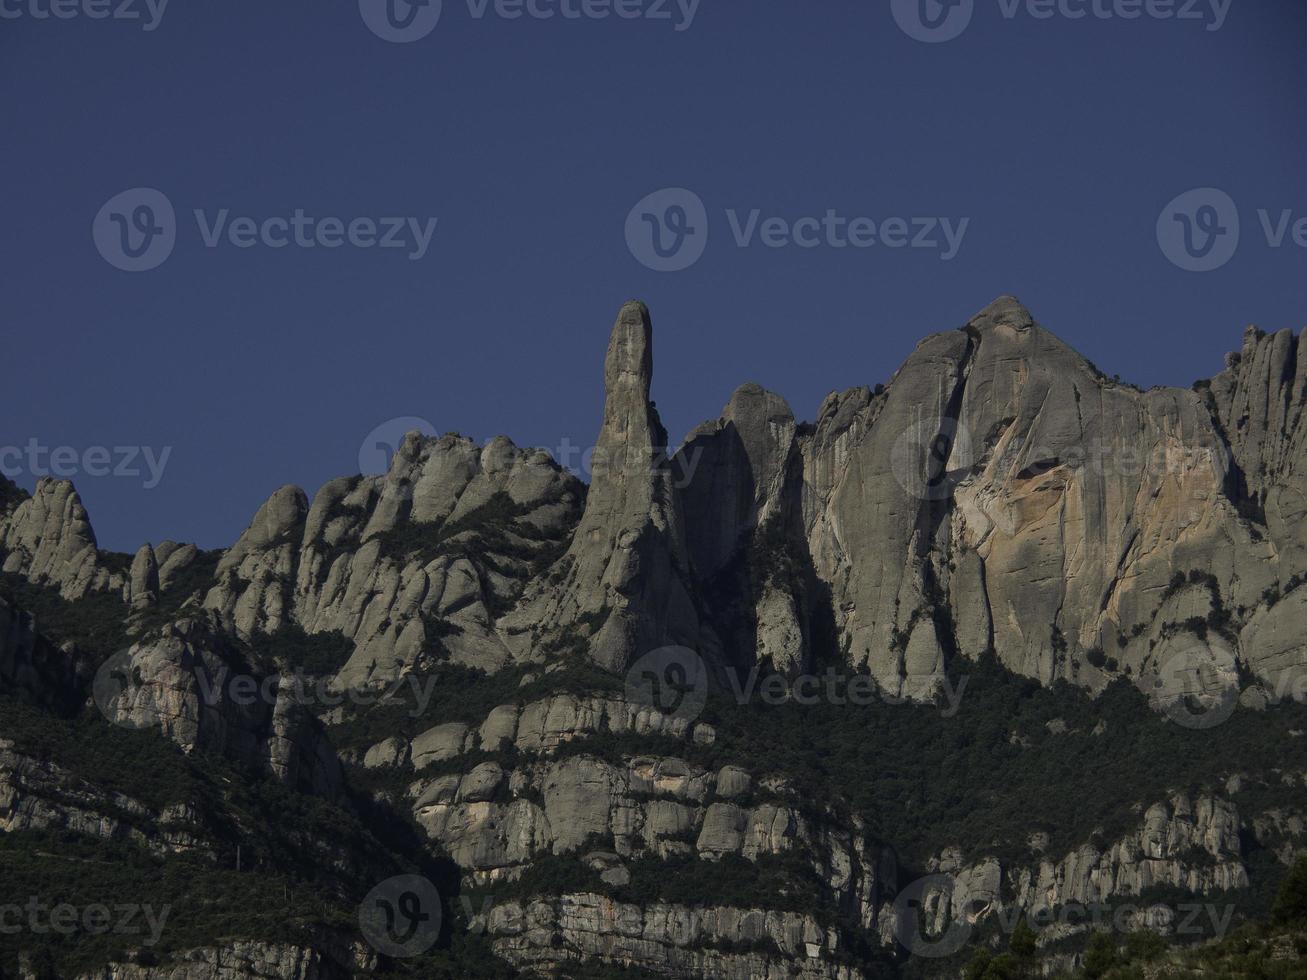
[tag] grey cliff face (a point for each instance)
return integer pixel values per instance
(737, 472)
(547, 935)
(196, 690)
(740, 482)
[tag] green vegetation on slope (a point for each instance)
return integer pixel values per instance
(95, 623)
(265, 863)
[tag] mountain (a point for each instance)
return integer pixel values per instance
(1001, 640)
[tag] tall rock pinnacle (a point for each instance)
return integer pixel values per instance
(622, 588)
(628, 365)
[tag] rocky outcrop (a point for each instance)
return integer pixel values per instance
(624, 587)
(740, 480)
(1010, 488)
(495, 821)
(1259, 400)
(1284, 831)
(254, 576)
(736, 472)
(41, 795)
(780, 639)
(547, 934)
(198, 690)
(143, 580)
(1003, 494)
(235, 961)
(172, 558)
(536, 728)
(1273, 644)
(417, 564)
(1189, 844)
(47, 538)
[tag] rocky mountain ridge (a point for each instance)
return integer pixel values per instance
(998, 493)
(998, 502)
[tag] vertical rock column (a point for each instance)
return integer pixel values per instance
(623, 589)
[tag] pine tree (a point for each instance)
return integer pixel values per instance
(1101, 955)
(1023, 941)
(1291, 901)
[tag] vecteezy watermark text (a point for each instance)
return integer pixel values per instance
(137, 230)
(95, 919)
(377, 453)
(126, 699)
(245, 690)
(934, 21)
(65, 462)
(834, 230)
(934, 916)
(667, 231)
(674, 681)
(833, 687)
(149, 11)
(406, 21)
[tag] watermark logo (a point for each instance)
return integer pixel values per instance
(1199, 230)
(667, 231)
(1197, 688)
(401, 21)
(377, 451)
(401, 917)
(932, 891)
(923, 453)
(936, 915)
(116, 690)
(671, 680)
(150, 12)
(674, 681)
(136, 230)
(932, 21)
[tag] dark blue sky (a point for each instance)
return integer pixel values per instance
(1061, 140)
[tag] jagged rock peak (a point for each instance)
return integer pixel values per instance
(278, 515)
(276, 522)
(48, 539)
(1006, 311)
(752, 401)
